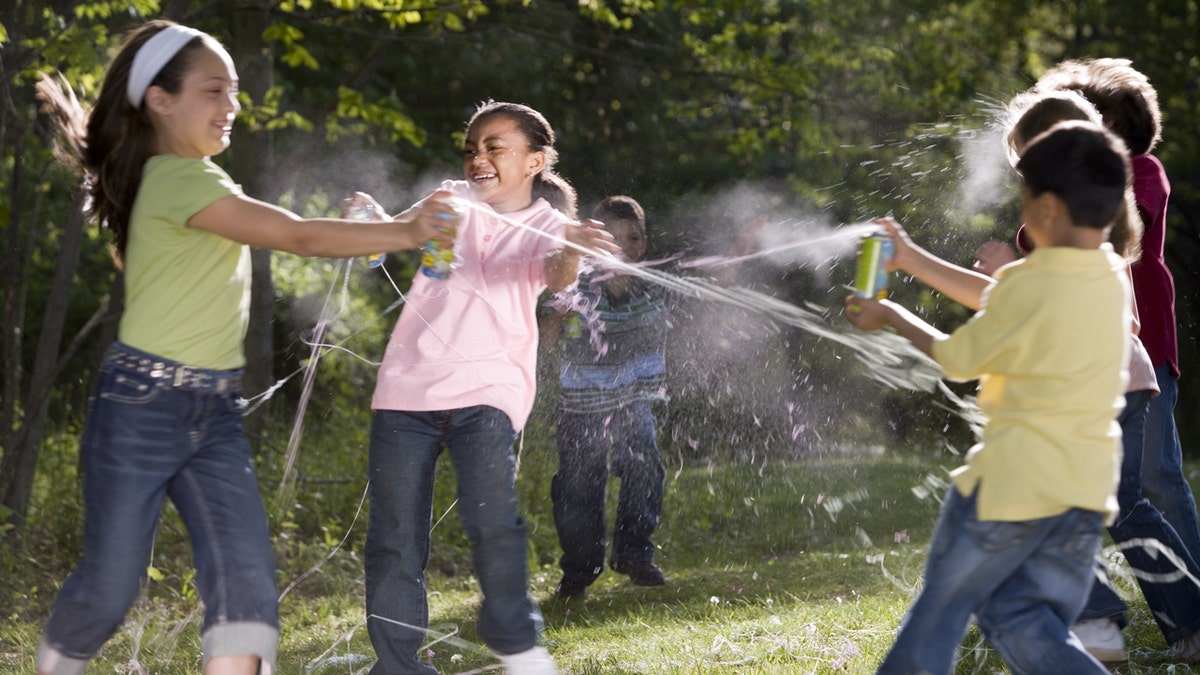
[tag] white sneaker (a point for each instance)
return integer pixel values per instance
(1102, 638)
(536, 661)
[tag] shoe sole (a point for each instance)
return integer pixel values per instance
(647, 582)
(1108, 655)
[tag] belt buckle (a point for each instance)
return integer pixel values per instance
(187, 377)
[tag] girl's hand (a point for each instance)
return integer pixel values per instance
(866, 313)
(992, 255)
(436, 217)
(591, 235)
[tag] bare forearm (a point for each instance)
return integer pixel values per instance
(561, 269)
(960, 284)
(248, 221)
(912, 327)
(335, 238)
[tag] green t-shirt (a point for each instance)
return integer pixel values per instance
(187, 291)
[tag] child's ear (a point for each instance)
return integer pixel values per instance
(1043, 208)
(158, 100)
(1056, 207)
(537, 162)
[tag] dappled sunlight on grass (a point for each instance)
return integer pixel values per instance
(804, 566)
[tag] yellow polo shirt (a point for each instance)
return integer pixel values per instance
(1050, 347)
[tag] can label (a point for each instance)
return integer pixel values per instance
(871, 278)
(367, 212)
(436, 259)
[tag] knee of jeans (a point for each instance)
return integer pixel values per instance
(104, 600)
(583, 476)
(492, 525)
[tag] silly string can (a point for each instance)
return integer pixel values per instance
(436, 259)
(367, 212)
(573, 326)
(871, 279)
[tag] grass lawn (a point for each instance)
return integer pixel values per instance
(798, 567)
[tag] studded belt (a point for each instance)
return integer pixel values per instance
(175, 375)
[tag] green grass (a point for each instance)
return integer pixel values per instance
(804, 566)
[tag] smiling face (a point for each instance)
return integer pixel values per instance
(499, 165)
(196, 121)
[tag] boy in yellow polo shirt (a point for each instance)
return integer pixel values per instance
(1022, 520)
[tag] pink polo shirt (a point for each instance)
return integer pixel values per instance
(471, 338)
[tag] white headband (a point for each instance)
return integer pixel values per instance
(152, 56)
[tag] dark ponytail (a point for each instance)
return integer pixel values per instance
(538, 133)
(110, 149)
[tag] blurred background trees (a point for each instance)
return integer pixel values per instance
(818, 114)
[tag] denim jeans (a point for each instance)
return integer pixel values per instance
(145, 440)
(1025, 581)
(578, 488)
(1162, 464)
(1173, 598)
(402, 463)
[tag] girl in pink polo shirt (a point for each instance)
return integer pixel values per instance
(458, 374)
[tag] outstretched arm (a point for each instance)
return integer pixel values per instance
(870, 314)
(562, 267)
(256, 223)
(960, 284)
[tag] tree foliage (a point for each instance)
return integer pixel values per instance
(823, 111)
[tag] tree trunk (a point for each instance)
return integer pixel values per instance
(14, 302)
(47, 366)
(252, 166)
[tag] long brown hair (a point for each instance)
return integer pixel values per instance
(538, 133)
(1123, 96)
(110, 145)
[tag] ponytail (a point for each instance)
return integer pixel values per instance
(555, 189)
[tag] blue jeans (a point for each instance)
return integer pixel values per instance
(1162, 464)
(1173, 598)
(578, 488)
(144, 440)
(403, 458)
(1025, 581)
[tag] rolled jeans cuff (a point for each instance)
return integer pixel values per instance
(242, 638)
(50, 660)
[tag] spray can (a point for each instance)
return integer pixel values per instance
(871, 279)
(436, 259)
(367, 212)
(573, 326)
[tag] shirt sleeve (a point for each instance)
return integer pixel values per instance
(197, 184)
(986, 342)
